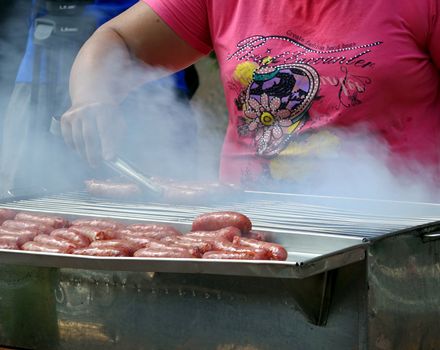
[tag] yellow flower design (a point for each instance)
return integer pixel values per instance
(244, 72)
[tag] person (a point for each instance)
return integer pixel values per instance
(31, 158)
(299, 76)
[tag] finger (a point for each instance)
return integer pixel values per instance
(77, 135)
(66, 130)
(91, 142)
(108, 131)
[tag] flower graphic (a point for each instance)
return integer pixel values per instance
(267, 120)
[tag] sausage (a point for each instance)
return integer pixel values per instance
(124, 245)
(202, 246)
(55, 241)
(258, 235)
(276, 251)
(155, 235)
(31, 233)
(6, 214)
(155, 245)
(112, 189)
(142, 241)
(8, 245)
(229, 255)
(154, 228)
(26, 225)
(79, 240)
(227, 233)
(226, 246)
(41, 247)
(53, 221)
(94, 233)
(149, 253)
(100, 223)
(97, 251)
(217, 220)
(17, 240)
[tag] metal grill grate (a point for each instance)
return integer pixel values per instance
(297, 214)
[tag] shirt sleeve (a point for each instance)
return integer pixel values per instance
(434, 37)
(188, 19)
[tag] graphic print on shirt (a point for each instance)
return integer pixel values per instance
(277, 79)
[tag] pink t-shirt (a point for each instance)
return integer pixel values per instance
(297, 72)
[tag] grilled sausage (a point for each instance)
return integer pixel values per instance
(41, 247)
(6, 214)
(112, 189)
(217, 220)
(97, 251)
(8, 245)
(27, 225)
(155, 235)
(258, 235)
(52, 221)
(55, 242)
(17, 240)
(31, 233)
(124, 245)
(94, 233)
(227, 233)
(226, 246)
(201, 245)
(149, 253)
(79, 240)
(99, 223)
(154, 228)
(155, 245)
(276, 251)
(229, 255)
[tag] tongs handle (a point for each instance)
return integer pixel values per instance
(118, 165)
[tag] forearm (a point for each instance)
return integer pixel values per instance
(105, 70)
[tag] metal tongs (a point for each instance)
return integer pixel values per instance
(120, 166)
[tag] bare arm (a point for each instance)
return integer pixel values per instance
(123, 54)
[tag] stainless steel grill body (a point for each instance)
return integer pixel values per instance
(360, 275)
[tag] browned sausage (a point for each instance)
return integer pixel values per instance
(49, 220)
(95, 251)
(27, 225)
(112, 189)
(41, 247)
(202, 246)
(6, 214)
(155, 245)
(154, 228)
(217, 220)
(227, 233)
(100, 223)
(55, 241)
(8, 245)
(258, 235)
(18, 240)
(226, 246)
(124, 245)
(229, 255)
(94, 233)
(79, 240)
(31, 233)
(149, 253)
(157, 235)
(142, 241)
(276, 251)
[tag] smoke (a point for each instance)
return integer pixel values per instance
(358, 164)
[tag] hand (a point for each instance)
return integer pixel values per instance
(94, 130)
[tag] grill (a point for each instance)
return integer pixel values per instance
(361, 274)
